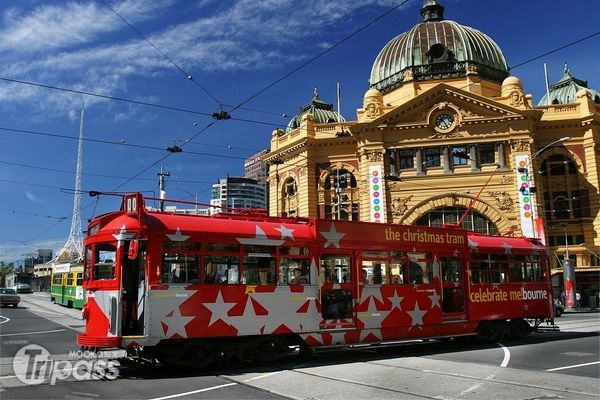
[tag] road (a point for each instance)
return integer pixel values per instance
(563, 364)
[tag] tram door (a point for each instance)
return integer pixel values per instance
(133, 289)
(336, 285)
(453, 289)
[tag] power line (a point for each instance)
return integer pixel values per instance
(319, 55)
(555, 50)
(188, 76)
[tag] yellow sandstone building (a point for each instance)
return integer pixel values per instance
(444, 129)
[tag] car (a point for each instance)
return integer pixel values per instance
(558, 308)
(23, 288)
(9, 296)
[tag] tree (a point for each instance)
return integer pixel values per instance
(5, 269)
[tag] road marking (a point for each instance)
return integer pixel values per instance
(6, 319)
(573, 366)
(32, 333)
(263, 376)
(506, 355)
(172, 396)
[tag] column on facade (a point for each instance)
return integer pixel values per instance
(420, 162)
(474, 158)
(393, 153)
(447, 168)
(501, 163)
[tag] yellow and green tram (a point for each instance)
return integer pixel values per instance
(66, 286)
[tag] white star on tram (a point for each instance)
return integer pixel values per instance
(286, 232)
(396, 300)
(416, 315)
(219, 309)
(177, 236)
(260, 238)
(176, 323)
(123, 235)
(364, 333)
(473, 246)
(435, 299)
(333, 237)
(507, 248)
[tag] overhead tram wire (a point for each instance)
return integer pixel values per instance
(555, 50)
(319, 55)
(117, 143)
(166, 57)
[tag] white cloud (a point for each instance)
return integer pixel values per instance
(33, 198)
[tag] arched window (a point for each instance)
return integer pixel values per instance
(474, 221)
(560, 206)
(340, 196)
(289, 198)
(558, 165)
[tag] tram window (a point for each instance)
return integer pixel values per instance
(104, 265)
(295, 251)
(221, 269)
(397, 272)
(57, 279)
(377, 272)
(451, 269)
(222, 247)
(259, 270)
(294, 271)
(79, 278)
(87, 267)
(420, 268)
(335, 268)
(516, 269)
(534, 269)
(337, 303)
(180, 268)
(70, 279)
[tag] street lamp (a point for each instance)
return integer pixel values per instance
(532, 190)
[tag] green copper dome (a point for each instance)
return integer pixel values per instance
(322, 112)
(565, 90)
(437, 49)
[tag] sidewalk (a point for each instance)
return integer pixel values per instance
(39, 303)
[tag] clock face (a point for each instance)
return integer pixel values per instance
(444, 121)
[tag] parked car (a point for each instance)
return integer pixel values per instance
(9, 296)
(558, 308)
(23, 288)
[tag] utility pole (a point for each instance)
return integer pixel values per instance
(161, 186)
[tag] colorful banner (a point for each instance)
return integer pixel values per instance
(376, 194)
(526, 206)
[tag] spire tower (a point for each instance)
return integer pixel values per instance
(73, 249)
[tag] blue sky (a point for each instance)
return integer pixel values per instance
(238, 52)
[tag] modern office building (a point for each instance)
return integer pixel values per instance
(447, 135)
(237, 193)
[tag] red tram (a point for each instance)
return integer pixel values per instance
(189, 290)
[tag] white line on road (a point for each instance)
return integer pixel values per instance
(506, 355)
(172, 396)
(32, 333)
(573, 366)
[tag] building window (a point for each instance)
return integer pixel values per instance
(487, 153)
(406, 159)
(558, 165)
(460, 156)
(341, 195)
(432, 157)
(451, 215)
(560, 206)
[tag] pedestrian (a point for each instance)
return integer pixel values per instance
(578, 299)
